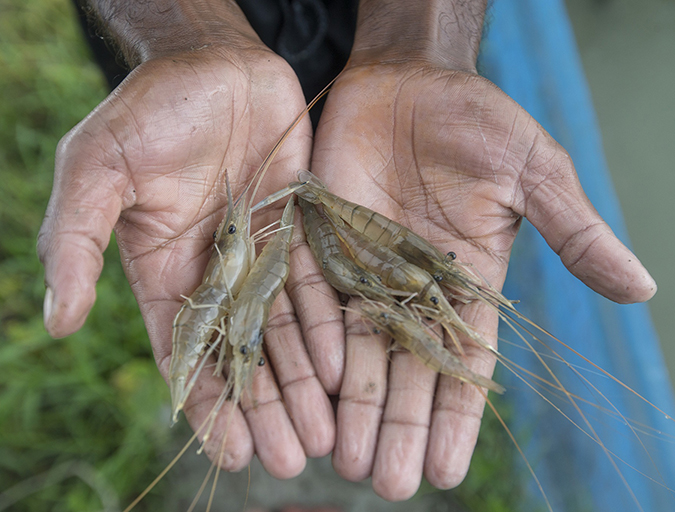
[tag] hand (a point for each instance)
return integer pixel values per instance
(451, 156)
(150, 162)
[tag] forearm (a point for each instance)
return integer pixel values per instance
(446, 32)
(146, 30)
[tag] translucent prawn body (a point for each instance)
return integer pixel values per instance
(459, 283)
(340, 271)
(250, 311)
(203, 312)
(409, 333)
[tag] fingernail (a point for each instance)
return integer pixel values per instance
(47, 308)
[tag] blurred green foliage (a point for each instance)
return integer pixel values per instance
(90, 406)
(494, 483)
(84, 420)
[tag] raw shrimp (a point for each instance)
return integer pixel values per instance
(399, 274)
(204, 310)
(340, 272)
(409, 333)
(250, 311)
(461, 284)
(247, 320)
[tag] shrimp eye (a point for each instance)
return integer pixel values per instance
(438, 277)
(243, 349)
(364, 280)
(451, 256)
(434, 300)
(385, 316)
(376, 331)
(232, 229)
(261, 362)
(215, 234)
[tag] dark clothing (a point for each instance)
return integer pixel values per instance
(314, 36)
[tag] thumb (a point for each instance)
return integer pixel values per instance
(557, 206)
(84, 206)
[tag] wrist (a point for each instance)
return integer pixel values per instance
(441, 32)
(149, 30)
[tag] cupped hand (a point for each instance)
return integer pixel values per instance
(150, 162)
(450, 155)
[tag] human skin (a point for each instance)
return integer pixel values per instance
(410, 130)
(149, 162)
(408, 123)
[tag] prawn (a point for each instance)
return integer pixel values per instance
(409, 333)
(461, 284)
(399, 274)
(247, 321)
(340, 271)
(250, 311)
(205, 309)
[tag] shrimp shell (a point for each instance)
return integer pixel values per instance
(459, 282)
(250, 311)
(339, 270)
(413, 336)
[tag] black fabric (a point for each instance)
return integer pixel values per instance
(113, 68)
(314, 36)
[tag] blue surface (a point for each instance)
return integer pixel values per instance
(530, 52)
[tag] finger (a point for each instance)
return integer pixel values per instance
(362, 398)
(556, 205)
(317, 306)
(266, 429)
(276, 441)
(229, 443)
(402, 443)
(458, 406)
(305, 399)
(85, 204)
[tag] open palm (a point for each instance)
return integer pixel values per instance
(150, 162)
(450, 155)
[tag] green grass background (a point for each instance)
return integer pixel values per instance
(84, 420)
(91, 405)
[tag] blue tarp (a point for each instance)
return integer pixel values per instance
(530, 52)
